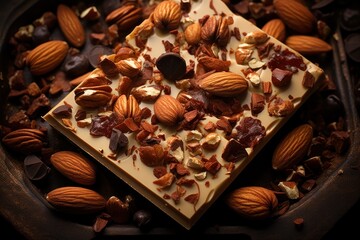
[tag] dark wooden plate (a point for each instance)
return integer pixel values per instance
(23, 205)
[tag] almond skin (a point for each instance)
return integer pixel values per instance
(47, 56)
(25, 140)
(193, 33)
(74, 166)
(76, 200)
(253, 202)
(307, 45)
(295, 15)
(224, 84)
(167, 15)
(71, 26)
(276, 29)
(292, 148)
(168, 110)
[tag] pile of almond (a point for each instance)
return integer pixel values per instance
(58, 65)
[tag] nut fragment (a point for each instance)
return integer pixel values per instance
(118, 210)
(253, 202)
(211, 141)
(193, 33)
(127, 107)
(290, 188)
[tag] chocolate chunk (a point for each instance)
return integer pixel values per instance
(352, 46)
(80, 115)
(40, 35)
(63, 111)
(234, 151)
(34, 168)
(171, 65)
(76, 65)
(118, 140)
(281, 78)
(332, 108)
(96, 52)
(350, 18)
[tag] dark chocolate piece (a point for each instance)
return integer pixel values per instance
(171, 65)
(118, 140)
(352, 46)
(96, 52)
(76, 65)
(34, 168)
(63, 111)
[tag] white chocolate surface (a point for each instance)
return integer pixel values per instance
(139, 176)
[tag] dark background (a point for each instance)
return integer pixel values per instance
(346, 228)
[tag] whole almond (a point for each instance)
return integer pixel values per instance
(70, 25)
(224, 84)
(308, 45)
(253, 202)
(74, 166)
(295, 15)
(25, 140)
(167, 15)
(47, 56)
(292, 148)
(76, 200)
(168, 110)
(276, 29)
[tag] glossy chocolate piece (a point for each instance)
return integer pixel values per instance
(35, 169)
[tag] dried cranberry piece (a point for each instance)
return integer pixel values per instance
(103, 125)
(286, 60)
(250, 132)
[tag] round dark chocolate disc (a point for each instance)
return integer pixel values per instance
(171, 65)
(34, 168)
(96, 52)
(350, 17)
(352, 46)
